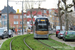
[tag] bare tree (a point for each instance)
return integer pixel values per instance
(71, 19)
(66, 11)
(29, 5)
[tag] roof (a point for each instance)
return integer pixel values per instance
(10, 10)
(41, 17)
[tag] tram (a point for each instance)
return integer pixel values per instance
(41, 27)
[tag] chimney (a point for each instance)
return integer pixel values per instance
(17, 10)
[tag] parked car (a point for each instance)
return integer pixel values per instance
(57, 31)
(10, 33)
(69, 35)
(3, 33)
(60, 34)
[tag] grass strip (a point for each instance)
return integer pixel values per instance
(18, 43)
(56, 44)
(35, 45)
(6, 44)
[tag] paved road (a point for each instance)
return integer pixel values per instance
(71, 43)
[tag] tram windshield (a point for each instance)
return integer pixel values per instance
(42, 28)
(42, 24)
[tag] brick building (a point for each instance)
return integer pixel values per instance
(15, 20)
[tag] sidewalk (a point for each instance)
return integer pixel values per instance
(21, 33)
(1, 41)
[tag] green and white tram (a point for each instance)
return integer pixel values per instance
(41, 27)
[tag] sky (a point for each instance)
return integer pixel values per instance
(18, 5)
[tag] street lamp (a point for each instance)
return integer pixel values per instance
(22, 17)
(7, 18)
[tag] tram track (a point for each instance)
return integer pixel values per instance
(55, 42)
(23, 41)
(27, 44)
(11, 43)
(46, 45)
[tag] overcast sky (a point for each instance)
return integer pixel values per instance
(47, 4)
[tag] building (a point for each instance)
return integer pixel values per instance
(4, 20)
(38, 12)
(53, 17)
(4, 15)
(15, 20)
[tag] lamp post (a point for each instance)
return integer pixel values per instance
(7, 18)
(22, 17)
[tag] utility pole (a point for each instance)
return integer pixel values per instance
(7, 18)
(22, 17)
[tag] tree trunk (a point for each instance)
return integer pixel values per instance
(60, 21)
(66, 17)
(32, 21)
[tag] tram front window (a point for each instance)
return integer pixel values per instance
(42, 24)
(42, 28)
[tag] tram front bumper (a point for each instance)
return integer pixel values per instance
(40, 36)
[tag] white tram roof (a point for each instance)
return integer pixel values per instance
(41, 17)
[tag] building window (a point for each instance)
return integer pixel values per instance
(53, 18)
(15, 22)
(3, 16)
(5, 22)
(24, 16)
(15, 16)
(55, 23)
(20, 16)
